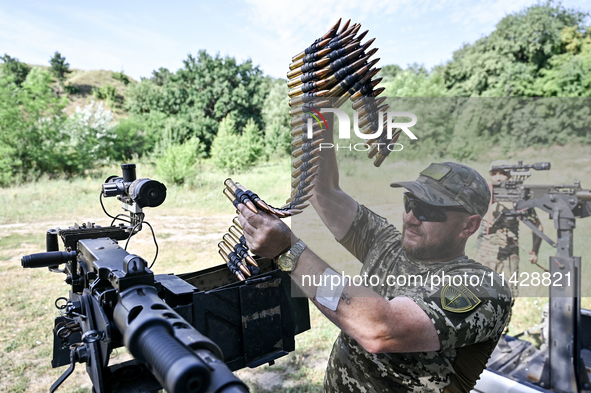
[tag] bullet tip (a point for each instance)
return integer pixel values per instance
(251, 206)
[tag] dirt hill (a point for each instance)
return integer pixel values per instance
(88, 81)
(83, 84)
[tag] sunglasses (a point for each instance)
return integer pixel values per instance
(426, 212)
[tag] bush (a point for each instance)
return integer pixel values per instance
(31, 118)
(276, 118)
(177, 164)
(88, 137)
(251, 142)
(121, 77)
(15, 68)
(71, 89)
(131, 139)
(231, 151)
(106, 92)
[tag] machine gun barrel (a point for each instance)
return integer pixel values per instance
(584, 195)
(181, 358)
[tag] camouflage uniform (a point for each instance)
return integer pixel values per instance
(468, 319)
(497, 246)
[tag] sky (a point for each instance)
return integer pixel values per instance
(140, 36)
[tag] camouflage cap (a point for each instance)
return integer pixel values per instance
(499, 163)
(451, 184)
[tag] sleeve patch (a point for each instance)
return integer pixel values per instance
(458, 299)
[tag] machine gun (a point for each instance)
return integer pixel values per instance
(561, 366)
(178, 328)
(516, 191)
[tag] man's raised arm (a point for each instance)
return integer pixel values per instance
(336, 208)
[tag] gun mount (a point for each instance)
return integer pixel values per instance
(561, 366)
(186, 332)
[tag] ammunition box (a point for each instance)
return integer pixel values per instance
(253, 321)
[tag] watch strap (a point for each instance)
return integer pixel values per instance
(294, 253)
(297, 249)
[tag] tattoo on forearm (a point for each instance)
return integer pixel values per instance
(346, 298)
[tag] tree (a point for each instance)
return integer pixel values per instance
(390, 71)
(507, 62)
(225, 149)
(16, 69)
(177, 164)
(252, 142)
(59, 68)
(160, 77)
(233, 151)
(416, 81)
(276, 118)
(88, 138)
(31, 120)
(203, 92)
(569, 74)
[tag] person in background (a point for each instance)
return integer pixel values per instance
(497, 246)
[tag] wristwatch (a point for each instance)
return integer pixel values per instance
(288, 260)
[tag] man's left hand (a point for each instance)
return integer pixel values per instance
(266, 235)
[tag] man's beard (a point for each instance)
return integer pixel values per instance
(438, 250)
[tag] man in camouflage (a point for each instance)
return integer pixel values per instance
(421, 336)
(497, 246)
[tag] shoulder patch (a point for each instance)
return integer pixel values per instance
(458, 299)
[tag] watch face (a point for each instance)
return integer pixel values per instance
(286, 262)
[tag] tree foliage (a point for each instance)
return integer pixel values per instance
(58, 66)
(509, 60)
(415, 81)
(130, 140)
(203, 92)
(39, 138)
(569, 73)
(12, 67)
(390, 71)
(276, 118)
(214, 106)
(178, 163)
(233, 151)
(31, 119)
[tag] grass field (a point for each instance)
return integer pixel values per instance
(189, 225)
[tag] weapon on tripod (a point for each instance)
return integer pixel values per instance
(183, 338)
(512, 189)
(516, 191)
(559, 367)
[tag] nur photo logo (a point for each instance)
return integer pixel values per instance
(391, 126)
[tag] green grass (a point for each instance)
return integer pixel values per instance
(78, 199)
(188, 226)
